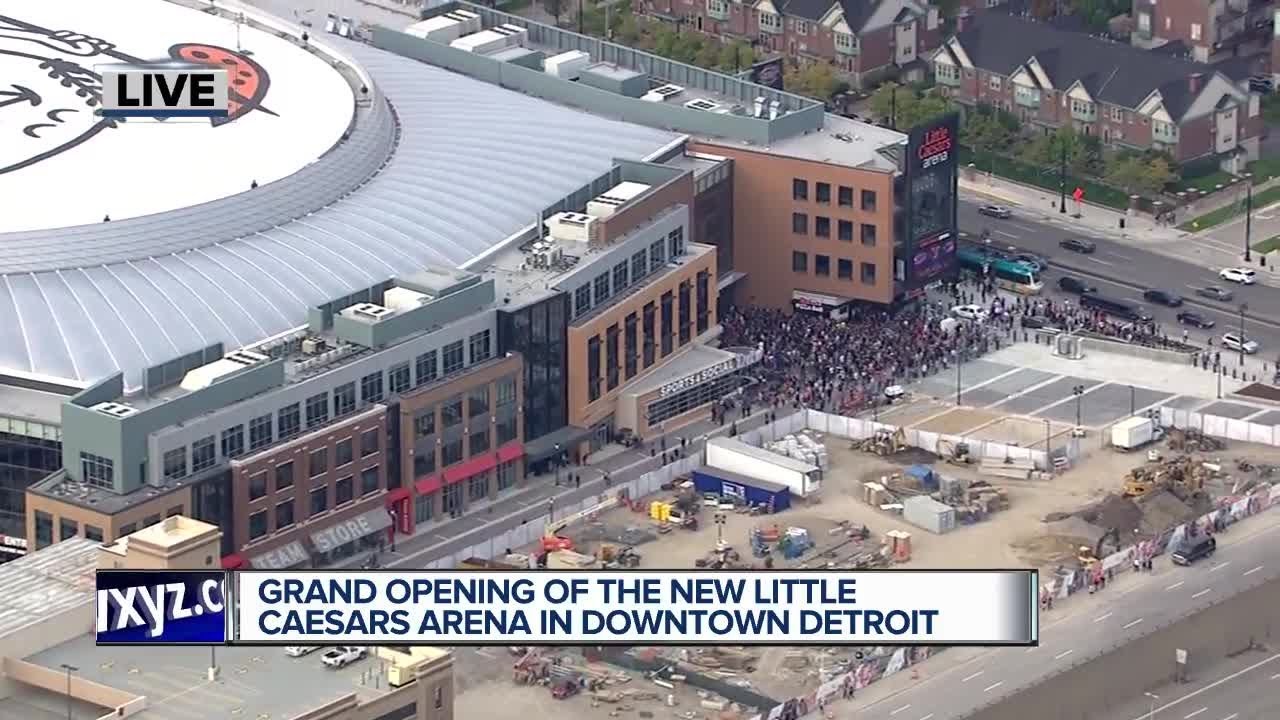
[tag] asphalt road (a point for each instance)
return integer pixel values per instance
(1125, 271)
(1244, 690)
(1246, 557)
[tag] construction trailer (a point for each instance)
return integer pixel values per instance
(749, 490)
(738, 457)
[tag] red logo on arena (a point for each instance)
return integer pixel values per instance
(936, 146)
(249, 80)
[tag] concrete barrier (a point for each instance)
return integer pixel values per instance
(1098, 343)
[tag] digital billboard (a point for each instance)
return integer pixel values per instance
(931, 165)
(768, 73)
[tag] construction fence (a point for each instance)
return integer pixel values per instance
(1222, 427)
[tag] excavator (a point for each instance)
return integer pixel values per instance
(552, 541)
(955, 453)
(1182, 478)
(1090, 556)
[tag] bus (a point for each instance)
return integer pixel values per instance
(1011, 275)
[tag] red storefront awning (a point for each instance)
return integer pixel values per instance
(510, 451)
(427, 485)
(470, 468)
(397, 495)
(232, 562)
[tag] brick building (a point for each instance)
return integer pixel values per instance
(1210, 29)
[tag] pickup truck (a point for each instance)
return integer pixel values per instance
(341, 657)
(300, 650)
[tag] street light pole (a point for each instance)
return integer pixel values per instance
(1062, 178)
(893, 107)
(70, 669)
(959, 364)
(1132, 399)
(1248, 217)
(1078, 391)
(1244, 307)
(1152, 713)
(1047, 428)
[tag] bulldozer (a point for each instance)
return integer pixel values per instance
(955, 453)
(1183, 477)
(884, 442)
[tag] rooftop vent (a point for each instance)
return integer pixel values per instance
(370, 311)
(701, 104)
(115, 409)
(662, 93)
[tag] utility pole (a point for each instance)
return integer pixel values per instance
(1062, 177)
(581, 4)
(1248, 219)
(959, 364)
(1244, 308)
(70, 669)
(1078, 391)
(893, 107)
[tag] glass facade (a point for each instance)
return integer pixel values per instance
(539, 333)
(659, 411)
(23, 462)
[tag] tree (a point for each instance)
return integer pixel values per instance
(909, 108)
(815, 80)
(1140, 175)
(735, 57)
(989, 129)
(553, 8)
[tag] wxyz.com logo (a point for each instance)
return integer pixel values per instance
(153, 606)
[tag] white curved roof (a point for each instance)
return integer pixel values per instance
(474, 164)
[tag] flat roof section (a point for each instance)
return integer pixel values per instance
(28, 404)
(841, 141)
(260, 682)
(49, 581)
(696, 358)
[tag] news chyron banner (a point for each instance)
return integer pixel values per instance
(469, 608)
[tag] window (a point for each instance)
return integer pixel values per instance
(869, 200)
(668, 323)
(703, 294)
(478, 487)
(288, 422)
(822, 193)
(284, 476)
(425, 424)
(424, 463)
(97, 471)
(451, 412)
(802, 27)
(868, 273)
(845, 196)
(656, 259)
(343, 454)
(946, 72)
(369, 443)
(260, 432)
(478, 401)
(257, 525)
(481, 347)
(1117, 115)
(233, 441)
(844, 42)
(318, 464)
(844, 269)
(425, 368)
(1195, 31)
(506, 391)
(126, 530)
(150, 520)
(174, 511)
(799, 189)
(770, 22)
(479, 441)
(799, 223)
(451, 452)
(868, 235)
(593, 368)
(344, 399)
(639, 266)
(685, 319)
(506, 429)
(844, 231)
(401, 378)
(506, 475)
(453, 361)
(611, 367)
(93, 532)
(67, 529)
(203, 454)
(676, 240)
(317, 410)
(319, 500)
(620, 276)
(257, 486)
(371, 387)
(600, 288)
(630, 346)
(799, 261)
(650, 338)
(44, 529)
(821, 265)
(822, 227)
(284, 515)
(993, 82)
(344, 491)
(175, 464)
(369, 480)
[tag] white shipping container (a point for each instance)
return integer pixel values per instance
(1132, 433)
(925, 512)
(441, 29)
(485, 41)
(804, 479)
(471, 22)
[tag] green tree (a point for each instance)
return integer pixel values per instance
(904, 107)
(553, 8)
(815, 80)
(735, 57)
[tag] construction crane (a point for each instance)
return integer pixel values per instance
(552, 541)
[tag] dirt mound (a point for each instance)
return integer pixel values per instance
(1114, 512)
(1048, 550)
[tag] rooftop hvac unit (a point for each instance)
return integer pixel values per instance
(485, 41)
(245, 358)
(516, 35)
(370, 311)
(471, 22)
(701, 104)
(758, 108)
(546, 256)
(566, 65)
(313, 346)
(441, 29)
(662, 93)
(775, 109)
(115, 409)
(604, 206)
(570, 226)
(331, 23)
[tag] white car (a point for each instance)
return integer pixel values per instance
(300, 650)
(1233, 341)
(1243, 276)
(341, 657)
(969, 312)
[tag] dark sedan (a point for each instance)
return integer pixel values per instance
(1163, 297)
(1213, 292)
(1075, 285)
(1080, 245)
(1194, 319)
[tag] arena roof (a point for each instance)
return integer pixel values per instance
(473, 165)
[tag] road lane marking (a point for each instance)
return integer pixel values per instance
(1135, 622)
(1250, 572)
(1219, 566)
(1276, 676)
(989, 688)
(1100, 262)
(926, 717)
(967, 679)
(1176, 585)
(1202, 593)
(1214, 684)
(1061, 655)
(1118, 255)
(485, 653)
(1100, 618)
(1232, 716)
(1188, 716)
(904, 707)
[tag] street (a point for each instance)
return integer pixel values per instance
(1083, 630)
(1243, 688)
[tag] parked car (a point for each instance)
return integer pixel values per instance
(1038, 322)
(1163, 297)
(969, 312)
(1213, 292)
(343, 656)
(1193, 549)
(1194, 319)
(300, 650)
(1075, 285)
(996, 211)
(1080, 245)
(1243, 276)
(1234, 341)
